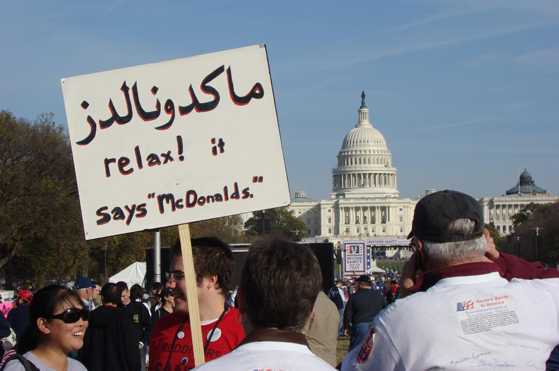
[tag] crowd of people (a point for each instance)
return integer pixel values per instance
(458, 304)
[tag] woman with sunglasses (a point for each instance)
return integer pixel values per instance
(57, 326)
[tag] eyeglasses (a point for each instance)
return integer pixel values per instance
(176, 275)
(72, 315)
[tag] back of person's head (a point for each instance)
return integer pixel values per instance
(364, 281)
(136, 292)
(279, 285)
(43, 305)
(212, 257)
(450, 226)
(110, 294)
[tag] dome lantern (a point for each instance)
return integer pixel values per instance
(363, 113)
(364, 165)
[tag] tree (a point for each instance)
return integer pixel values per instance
(42, 235)
(523, 215)
(537, 236)
(228, 228)
(38, 193)
(494, 233)
(278, 221)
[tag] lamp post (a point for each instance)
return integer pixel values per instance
(538, 230)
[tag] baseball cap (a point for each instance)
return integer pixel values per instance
(25, 295)
(84, 283)
(434, 212)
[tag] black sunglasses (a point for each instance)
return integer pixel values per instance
(72, 315)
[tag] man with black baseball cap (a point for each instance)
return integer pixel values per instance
(471, 317)
(361, 309)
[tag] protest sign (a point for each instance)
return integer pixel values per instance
(356, 258)
(175, 142)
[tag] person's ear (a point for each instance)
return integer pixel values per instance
(210, 282)
(43, 325)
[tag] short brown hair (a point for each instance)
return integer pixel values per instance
(212, 257)
(280, 283)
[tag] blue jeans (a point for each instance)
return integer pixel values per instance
(341, 323)
(359, 332)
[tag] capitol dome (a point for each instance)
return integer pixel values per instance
(364, 162)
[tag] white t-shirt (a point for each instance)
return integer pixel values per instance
(16, 365)
(268, 355)
(478, 322)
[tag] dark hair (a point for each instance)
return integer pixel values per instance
(212, 257)
(136, 292)
(167, 291)
(122, 286)
(156, 287)
(110, 293)
(43, 305)
(280, 283)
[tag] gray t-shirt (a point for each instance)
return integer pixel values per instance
(16, 365)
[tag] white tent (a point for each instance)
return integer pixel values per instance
(375, 268)
(133, 274)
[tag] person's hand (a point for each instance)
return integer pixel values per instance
(491, 250)
(411, 275)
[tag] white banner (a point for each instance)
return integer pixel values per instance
(175, 142)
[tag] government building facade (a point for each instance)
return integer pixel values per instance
(499, 210)
(365, 204)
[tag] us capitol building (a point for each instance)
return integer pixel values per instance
(365, 203)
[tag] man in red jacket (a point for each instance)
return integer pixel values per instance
(171, 342)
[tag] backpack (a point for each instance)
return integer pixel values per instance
(27, 364)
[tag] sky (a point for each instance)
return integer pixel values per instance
(464, 92)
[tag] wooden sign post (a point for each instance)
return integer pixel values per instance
(191, 294)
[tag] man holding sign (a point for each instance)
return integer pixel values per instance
(171, 344)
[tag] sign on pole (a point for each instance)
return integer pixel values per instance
(175, 142)
(356, 258)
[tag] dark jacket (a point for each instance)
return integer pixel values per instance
(19, 319)
(363, 306)
(334, 295)
(141, 320)
(110, 343)
(158, 314)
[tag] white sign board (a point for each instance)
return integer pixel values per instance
(175, 142)
(355, 258)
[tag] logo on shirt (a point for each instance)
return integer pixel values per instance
(465, 305)
(367, 347)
